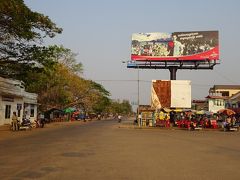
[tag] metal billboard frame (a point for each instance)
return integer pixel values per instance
(173, 66)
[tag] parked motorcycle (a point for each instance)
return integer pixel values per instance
(24, 125)
(195, 126)
(230, 127)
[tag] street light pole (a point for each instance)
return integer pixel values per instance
(138, 94)
(138, 99)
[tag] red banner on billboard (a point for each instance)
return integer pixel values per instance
(192, 46)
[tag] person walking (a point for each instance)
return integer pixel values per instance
(14, 122)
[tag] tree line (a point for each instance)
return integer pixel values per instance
(50, 71)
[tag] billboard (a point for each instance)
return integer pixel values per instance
(171, 94)
(191, 46)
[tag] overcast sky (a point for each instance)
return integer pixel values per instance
(100, 32)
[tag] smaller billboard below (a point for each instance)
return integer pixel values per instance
(171, 94)
(193, 46)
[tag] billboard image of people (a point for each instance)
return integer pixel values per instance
(195, 45)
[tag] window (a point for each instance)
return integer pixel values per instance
(227, 105)
(225, 93)
(19, 107)
(18, 113)
(32, 110)
(216, 102)
(8, 112)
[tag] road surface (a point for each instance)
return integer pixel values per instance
(101, 150)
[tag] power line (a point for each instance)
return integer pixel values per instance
(146, 81)
(122, 80)
(225, 77)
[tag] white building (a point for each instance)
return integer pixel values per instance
(216, 102)
(13, 97)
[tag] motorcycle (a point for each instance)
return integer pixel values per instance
(40, 123)
(195, 126)
(24, 125)
(230, 127)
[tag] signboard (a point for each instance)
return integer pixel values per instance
(171, 94)
(7, 98)
(191, 46)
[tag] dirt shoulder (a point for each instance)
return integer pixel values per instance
(6, 133)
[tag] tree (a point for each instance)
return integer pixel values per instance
(53, 71)
(60, 84)
(66, 57)
(117, 107)
(21, 33)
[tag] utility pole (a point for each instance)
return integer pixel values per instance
(139, 119)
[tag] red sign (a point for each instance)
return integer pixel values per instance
(192, 46)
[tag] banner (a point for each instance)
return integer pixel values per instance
(192, 46)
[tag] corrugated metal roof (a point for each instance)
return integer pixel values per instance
(15, 88)
(226, 87)
(235, 96)
(199, 101)
(216, 97)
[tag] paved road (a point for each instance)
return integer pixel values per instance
(102, 150)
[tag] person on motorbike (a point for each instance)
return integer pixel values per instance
(119, 118)
(25, 119)
(42, 120)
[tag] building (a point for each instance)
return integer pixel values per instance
(234, 103)
(13, 97)
(223, 96)
(200, 105)
(216, 102)
(225, 90)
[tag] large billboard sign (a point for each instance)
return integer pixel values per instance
(192, 46)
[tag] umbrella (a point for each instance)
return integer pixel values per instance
(227, 112)
(178, 110)
(166, 110)
(200, 112)
(69, 110)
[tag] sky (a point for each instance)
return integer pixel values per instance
(100, 31)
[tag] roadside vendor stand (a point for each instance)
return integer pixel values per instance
(146, 114)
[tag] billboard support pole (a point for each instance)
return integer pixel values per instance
(173, 72)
